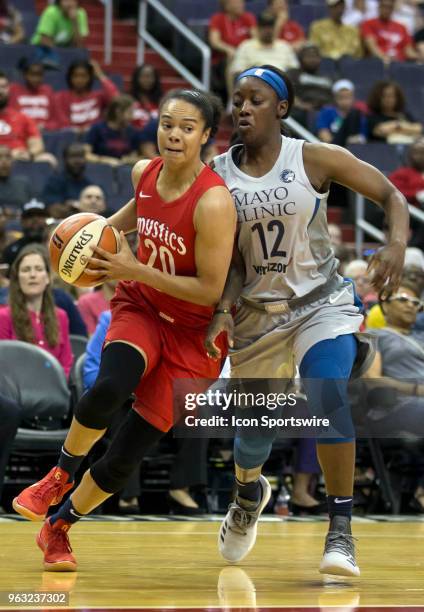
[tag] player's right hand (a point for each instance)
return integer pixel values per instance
(221, 322)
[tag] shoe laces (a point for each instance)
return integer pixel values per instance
(59, 539)
(338, 541)
(48, 487)
(241, 519)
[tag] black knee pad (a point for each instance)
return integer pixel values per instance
(97, 407)
(120, 371)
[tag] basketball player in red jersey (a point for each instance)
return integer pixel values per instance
(186, 222)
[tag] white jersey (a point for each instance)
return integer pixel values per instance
(282, 221)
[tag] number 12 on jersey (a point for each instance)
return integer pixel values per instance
(277, 239)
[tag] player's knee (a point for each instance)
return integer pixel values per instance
(250, 452)
(112, 472)
(106, 391)
(97, 407)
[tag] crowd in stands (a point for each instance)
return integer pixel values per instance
(70, 149)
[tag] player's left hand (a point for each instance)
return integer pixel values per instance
(121, 266)
(385, 268)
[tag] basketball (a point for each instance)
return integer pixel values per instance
(70, 247)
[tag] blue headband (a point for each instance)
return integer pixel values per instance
(272, 79)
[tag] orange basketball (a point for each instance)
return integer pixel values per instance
(70, 247)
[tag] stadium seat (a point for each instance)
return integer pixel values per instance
(30, 21)
(384, 156)
(362, 72)
(305, 14)
(102, 175)
(76, 380)
(36, 381)
(78, 344)
(56, 141)
(125, 188)
(37, 172)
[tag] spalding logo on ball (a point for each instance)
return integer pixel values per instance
(70, 247)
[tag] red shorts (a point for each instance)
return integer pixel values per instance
(171, 352)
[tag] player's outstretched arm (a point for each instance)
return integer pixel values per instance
(215, 223)
(125, 219)
(339, 165)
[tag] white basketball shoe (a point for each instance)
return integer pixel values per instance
(339, 550)
(237, 534)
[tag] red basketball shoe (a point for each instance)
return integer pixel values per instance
(34, 501)
(54, 542)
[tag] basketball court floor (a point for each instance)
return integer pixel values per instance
(156, 563)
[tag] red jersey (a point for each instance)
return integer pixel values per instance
(391, 37)
(233, 31)
(16, 128)
(38, 104)
(167, 241)
(291, 32)
(143, 114)
(82, 110)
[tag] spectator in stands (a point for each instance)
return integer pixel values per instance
(227, 29)
(62, 190)
(115, 141)
(389, 121)
(399, 365)
(15, 191)
(385, 38)
(92, 199)
(18, 131)
(357, 270)
(331, 118)
(285, 28)
(312, 90)
(92, 304)
(34, 98)
(419, 45)
(410, 179)
(146, 90)
(263, 49)
(333, 38)
(31, 315)
(34, 227)
(62, 298)
(62, 24)
(413, 273)
(80, 106)
(11, 29)
(357, 11)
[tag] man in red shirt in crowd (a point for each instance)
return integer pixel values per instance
(19, 132)
(227, 30)
(410, 179)
(385, 38)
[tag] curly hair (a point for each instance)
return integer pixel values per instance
(376, 94)
(18, 303)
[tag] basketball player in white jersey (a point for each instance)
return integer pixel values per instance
(294, 309)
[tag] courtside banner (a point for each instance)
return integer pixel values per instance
(325, 409)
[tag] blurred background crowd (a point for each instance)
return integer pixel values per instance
(71, 127)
